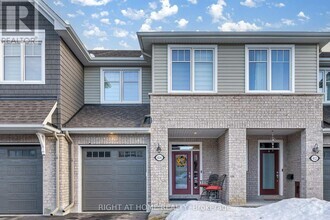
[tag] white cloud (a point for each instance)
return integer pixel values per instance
(119, 22)
(99, 48)
(133, 13)
(216, 10)
(58, 3)
(101, 14)
(302, 17)
(124, 44)
(249, 3)
(153, 5)
(239, 26)
(94, 31)
(120, 33)
(279, 5)
(105, 21)
(133, 36)
(165, 11)
(182, 23)
(193, 1)
(199, 19)
(91, 2)
(146, 26)
(79, 12)
(287, 22)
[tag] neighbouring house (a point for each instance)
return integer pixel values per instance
(84, 131)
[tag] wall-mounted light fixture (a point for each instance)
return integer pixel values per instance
(316, 148)
(159, 149)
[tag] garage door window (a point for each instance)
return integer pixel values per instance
(130, 154)
(22, 153)
(98, 154)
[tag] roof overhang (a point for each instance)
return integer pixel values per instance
(107, 130)
(27, 129)
(146, 39)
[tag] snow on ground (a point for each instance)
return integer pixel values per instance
(288, 209)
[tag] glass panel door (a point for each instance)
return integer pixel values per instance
(181, 182)
(269, 172)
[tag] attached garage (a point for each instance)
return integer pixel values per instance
(114, 179)
(20, 180)
(326, 173)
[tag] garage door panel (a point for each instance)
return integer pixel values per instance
(326, 174)
(20, 180)
(117, 180)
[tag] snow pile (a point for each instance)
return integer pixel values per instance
(289, 209)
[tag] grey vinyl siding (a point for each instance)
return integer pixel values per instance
(72, 84)
(52, 68)
(231, 68)
(306, 68)
(92, 84)
(159, 55)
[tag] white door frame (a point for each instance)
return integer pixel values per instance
(200, 162)
(280, 164)
(80, 148)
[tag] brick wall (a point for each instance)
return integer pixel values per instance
(236, 113)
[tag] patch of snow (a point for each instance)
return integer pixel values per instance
(288, 209)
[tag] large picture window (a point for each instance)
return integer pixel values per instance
(192, 69)
(121, 85)
(270, 69)
(22, 62)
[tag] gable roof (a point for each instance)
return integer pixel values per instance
(115, 53)
(110, 116)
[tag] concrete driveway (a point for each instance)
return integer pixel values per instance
(106, 216)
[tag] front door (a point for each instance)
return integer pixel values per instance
(181, 171)
(269, 172)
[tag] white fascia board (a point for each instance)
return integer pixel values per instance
(29, 127)
(326, 130)
(107, 130)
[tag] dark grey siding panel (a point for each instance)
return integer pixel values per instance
(92, 84)
(306, 68)
(72, 84)
(160, 68)
(231, 69)
(51, 88)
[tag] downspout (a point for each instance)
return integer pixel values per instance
(69, 139)
(57, 173)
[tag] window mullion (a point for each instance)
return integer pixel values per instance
(121, 84)
(23, 62)
(192, 72)
(2, 66)
(269, 69)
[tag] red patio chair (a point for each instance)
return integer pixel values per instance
(213, 180)
(214, 190)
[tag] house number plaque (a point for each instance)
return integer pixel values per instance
(314, 158)
(159, 157)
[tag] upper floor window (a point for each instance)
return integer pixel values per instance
(192, 69)
(121, 85)
(22, 62)
(324, 84)
(269, 68)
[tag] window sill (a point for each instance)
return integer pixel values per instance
(22, 83)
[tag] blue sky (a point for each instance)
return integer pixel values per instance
(112, 24)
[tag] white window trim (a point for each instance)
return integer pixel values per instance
(269, 67)
(324, 71)
(121, 85)
(171, 47)
(39, 36)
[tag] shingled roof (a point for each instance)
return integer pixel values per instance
(25, 111)
(116, 53)
(111, 116)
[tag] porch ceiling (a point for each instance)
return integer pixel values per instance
(195, 132)
(278, 132)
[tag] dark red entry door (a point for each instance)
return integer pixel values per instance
(181, 172)
(269, 172)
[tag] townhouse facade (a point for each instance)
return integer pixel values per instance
(85, 131)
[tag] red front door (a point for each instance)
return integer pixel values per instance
(181, 171)
(269, 172)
